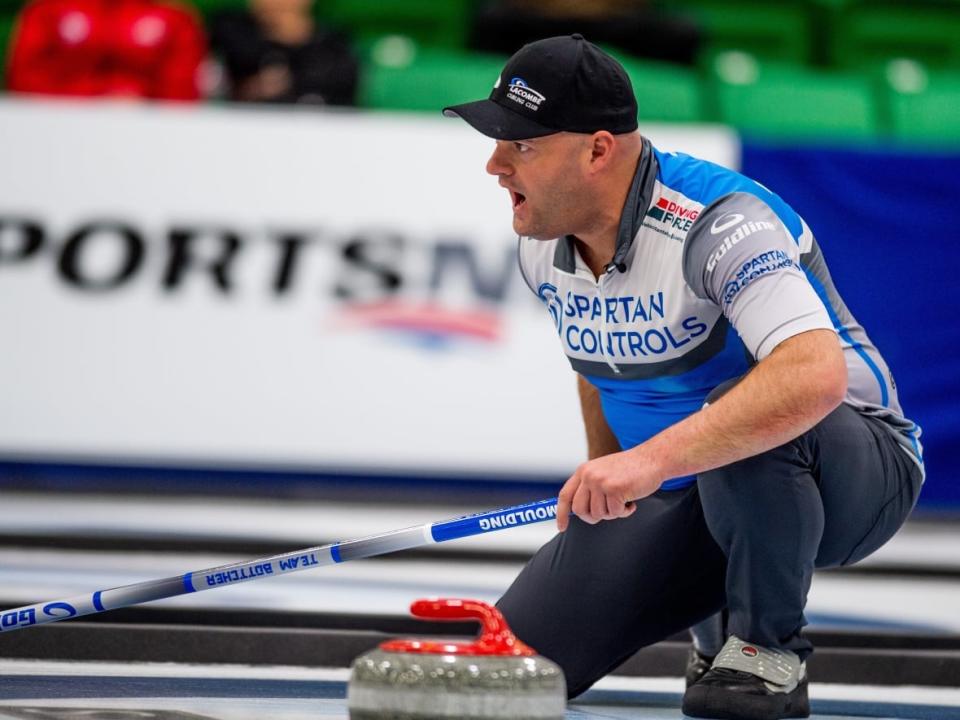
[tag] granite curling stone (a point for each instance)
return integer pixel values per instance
(496, 676)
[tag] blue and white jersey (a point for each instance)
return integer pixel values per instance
(711, 272)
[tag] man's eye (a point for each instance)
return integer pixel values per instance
(521, 148)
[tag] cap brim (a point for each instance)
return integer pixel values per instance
(496, 121)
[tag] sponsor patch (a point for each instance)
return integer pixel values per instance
(673, 216)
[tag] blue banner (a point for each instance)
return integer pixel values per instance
(887, 223)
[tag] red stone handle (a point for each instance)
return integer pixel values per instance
(495, 637)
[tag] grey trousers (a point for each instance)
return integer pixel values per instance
(745, 539)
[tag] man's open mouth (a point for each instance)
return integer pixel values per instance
(518, 198)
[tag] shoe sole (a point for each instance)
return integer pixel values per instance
(721, 704)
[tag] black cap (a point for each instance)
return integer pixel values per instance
(554, 85)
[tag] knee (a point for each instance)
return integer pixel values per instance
(759, 489)
(765, 496)
(738, 484)
(769, 474)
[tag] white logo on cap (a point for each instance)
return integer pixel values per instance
(525, 95)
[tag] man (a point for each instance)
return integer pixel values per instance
(742, 429)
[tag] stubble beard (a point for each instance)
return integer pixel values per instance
(553, 216)
(538, 230)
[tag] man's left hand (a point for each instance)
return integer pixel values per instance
(605, 488)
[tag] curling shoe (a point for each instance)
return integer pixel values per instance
(750, 682)
(697, 665)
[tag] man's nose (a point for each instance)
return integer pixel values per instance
(496, 165)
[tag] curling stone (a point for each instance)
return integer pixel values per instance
(495, 676)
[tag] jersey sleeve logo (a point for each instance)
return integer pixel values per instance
(725, 222)
(745, 230)
(757, 266)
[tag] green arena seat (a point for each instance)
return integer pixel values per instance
(788, 100)
(428, 80)
(436, 23)
(867, 33)
(665, 92)
(923, 106)
(779, 30)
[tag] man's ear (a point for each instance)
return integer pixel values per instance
(602, 145)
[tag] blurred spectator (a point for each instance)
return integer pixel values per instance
(126, 48)
(276, 52)
(504, 26)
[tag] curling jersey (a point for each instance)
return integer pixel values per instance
(711, 272)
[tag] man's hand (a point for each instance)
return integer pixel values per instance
(605, 488)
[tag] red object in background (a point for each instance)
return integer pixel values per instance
(126, 48)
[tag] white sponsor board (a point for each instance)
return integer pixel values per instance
(256, 288)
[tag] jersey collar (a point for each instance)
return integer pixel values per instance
(635, 207)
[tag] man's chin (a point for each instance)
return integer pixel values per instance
(525, 230)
